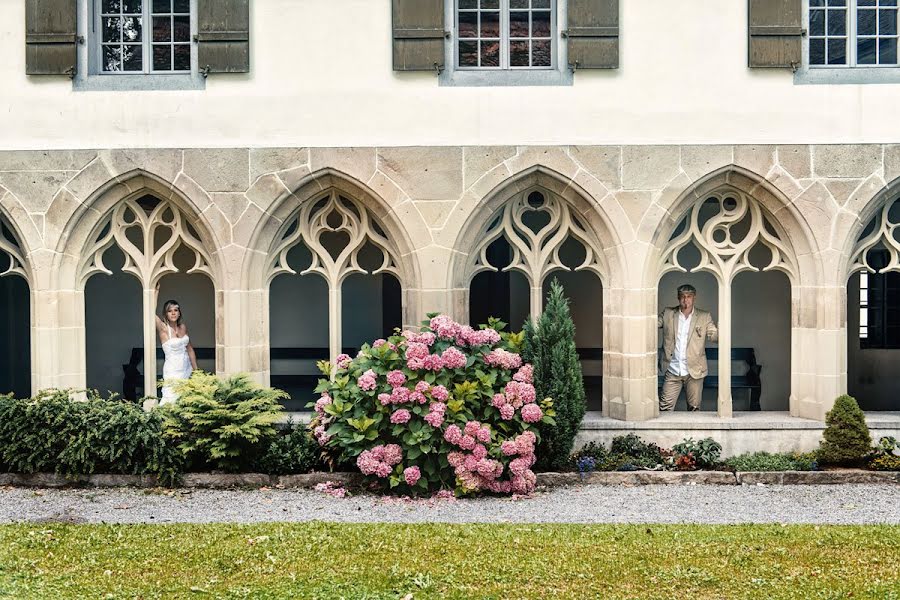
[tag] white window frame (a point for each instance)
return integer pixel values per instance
(505, 75)
(851, 72)
(90, 76)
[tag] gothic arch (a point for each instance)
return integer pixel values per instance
(571, 210)
(856, 245)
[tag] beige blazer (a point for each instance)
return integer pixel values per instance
(703, 328)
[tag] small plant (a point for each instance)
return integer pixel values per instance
(586, 464)
(846, 439)
(705, 453)
(222, 424)
(293, 451)
(550, 348)
(642, 454)
(884, 457)
(764, 461)
(685, 462)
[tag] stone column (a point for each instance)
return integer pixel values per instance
(724, 403)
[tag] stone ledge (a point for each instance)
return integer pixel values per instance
(308, 480)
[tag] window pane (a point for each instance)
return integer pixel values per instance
(110, 6)
(540, 4)
(132, 57)
(817, 22)
(866, 2)
(112, 58)
(518, 54)
(540, 23)
(162, 58)
(817, 52)
(131, 29)
(132, 7)
(813, 3)
(490, 54)
(468, 54)
(540, 53)
(889, 2)
(468, 24)
(518, 3)
(182, 6)
(518, 24)
(865, 22)
(865, 52)
(182, 57)
(494, 4)
(111, 32)
(887, 21)
(837, 22)
(182, 29)
(490, 24)
(887, 51)
(161, 6)
(837, 2)
(162, 30)
(467, 4)
(837, 52)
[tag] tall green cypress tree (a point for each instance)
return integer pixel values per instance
(550, 348)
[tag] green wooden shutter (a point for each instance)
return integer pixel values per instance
(593, 34)
(50, 37)
(223, 36)
(418, 31)
(775, 32)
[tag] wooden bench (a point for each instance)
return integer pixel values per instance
(750, 381)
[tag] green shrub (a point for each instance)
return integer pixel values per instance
(223, 424)
(293, 451)
(550, 348)
(885, 463)
(706, 452)
(52, 433)
(764, 461)
(846, 439)
(641, 453)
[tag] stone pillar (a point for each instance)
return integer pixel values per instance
(724, 404)
(818, 350)
(629, 354)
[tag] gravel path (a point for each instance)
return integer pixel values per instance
(839, 504)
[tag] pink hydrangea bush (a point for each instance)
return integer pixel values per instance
(445, 407)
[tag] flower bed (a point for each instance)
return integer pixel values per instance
(445, 407)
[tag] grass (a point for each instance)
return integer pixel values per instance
(328, 560)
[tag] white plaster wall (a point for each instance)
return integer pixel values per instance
(321, 76)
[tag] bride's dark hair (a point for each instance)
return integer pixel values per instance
(165, 311)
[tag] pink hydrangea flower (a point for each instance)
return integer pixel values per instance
(383, 470)
(400, 395)
(507, 412)
(379, 343)
(322, 402)
(453, 434)
(433, 362)
(525, 373)
(392, 454)
(480, 451)
(396, 378)
(412, 475)
(456, 458)
(422, 386)
(509, 448)
(483, 434)
(467, 442)
(498, 401)
(453, 358)
(498, 357)
(439, 392)
(445, 327)
(435, 419)
(343, 361)
(438, 407)
(366, 382)
(531, 413)
(483, 337)
(400, 416)
(472, 428)
(320, 435)
(418, 397)
(385, 399)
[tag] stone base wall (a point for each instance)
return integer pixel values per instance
(429, 201)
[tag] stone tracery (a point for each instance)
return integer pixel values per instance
(884, 234)
(13, 250)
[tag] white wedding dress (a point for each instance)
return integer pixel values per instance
(177, 364)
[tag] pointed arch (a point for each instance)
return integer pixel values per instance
(12, 244)
(572, 211)
(857, 242)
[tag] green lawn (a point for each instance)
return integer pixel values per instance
(327, 560)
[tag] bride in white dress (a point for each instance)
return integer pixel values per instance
(181, 359)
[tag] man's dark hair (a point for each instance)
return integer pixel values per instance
(687, 289)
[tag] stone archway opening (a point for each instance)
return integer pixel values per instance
(334, 283)
(734, 254)
(534, 237)
(142, 243)
(873, 313)
(15, 317)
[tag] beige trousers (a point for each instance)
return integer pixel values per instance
(672, 389)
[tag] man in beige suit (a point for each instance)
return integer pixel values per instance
(685, 331)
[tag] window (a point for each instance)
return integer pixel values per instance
(850, 41)
(505, 34)
(505, 42)
(127, 45)
(879, 305)
(853, 33)
(138, 44)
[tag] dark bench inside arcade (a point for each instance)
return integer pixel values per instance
(749, 381)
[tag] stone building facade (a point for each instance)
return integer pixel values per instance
(388, 166)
